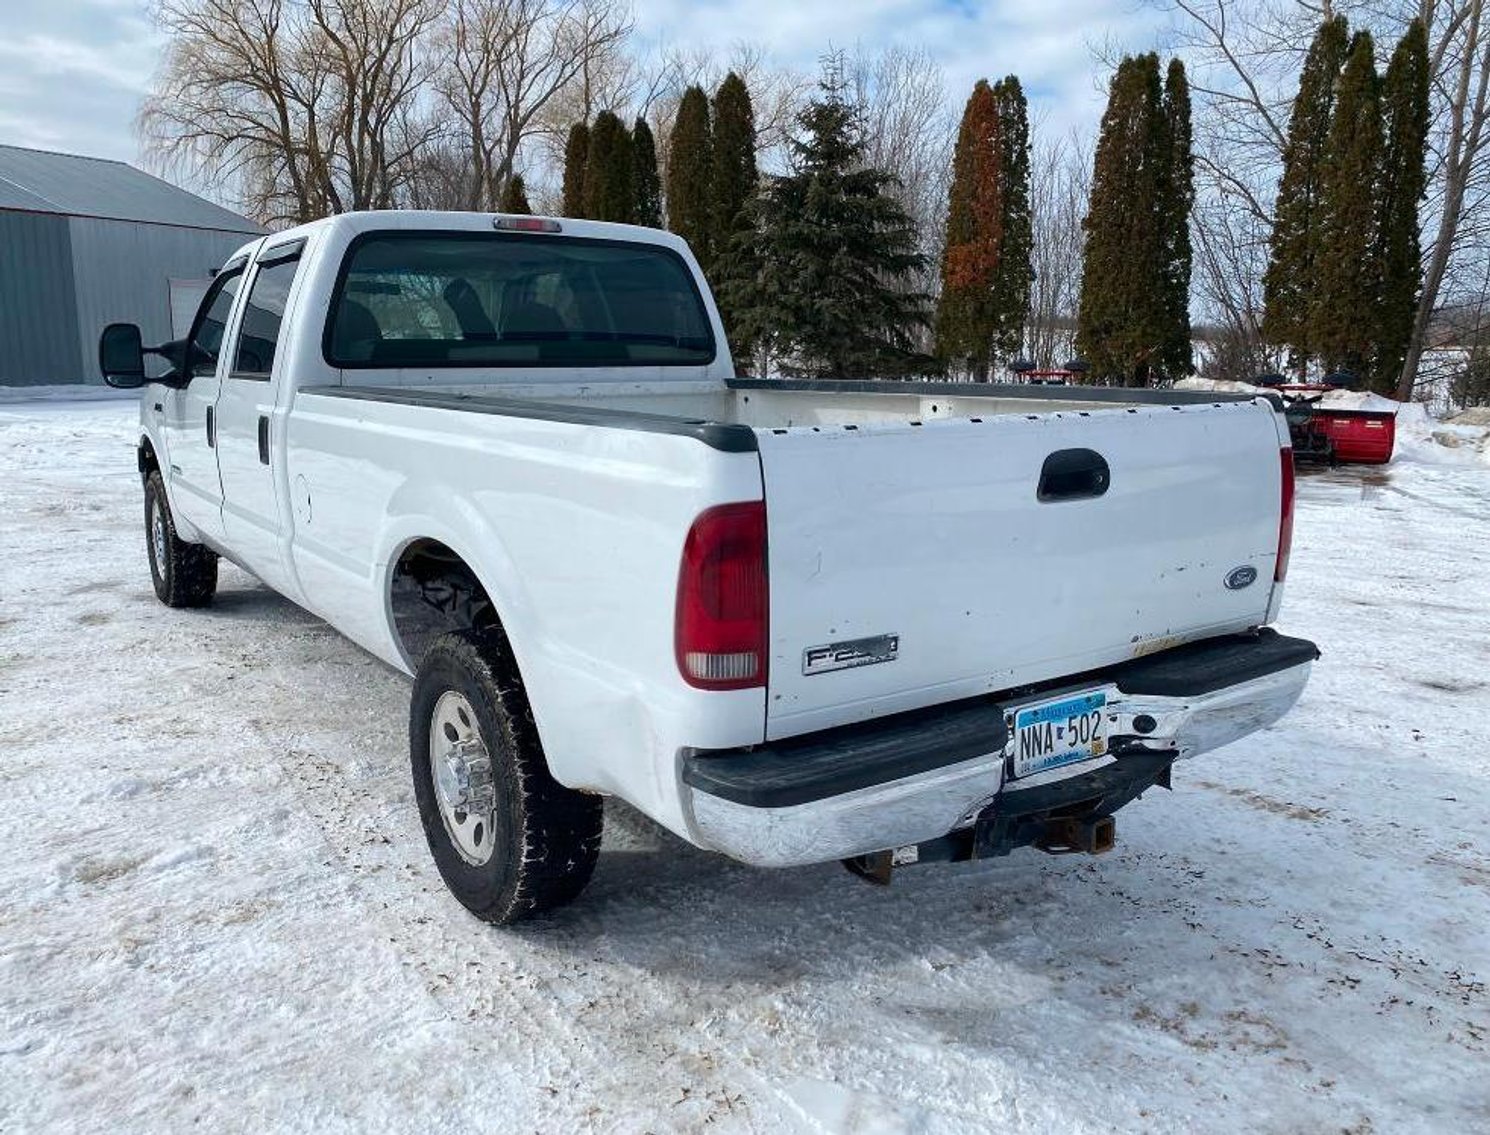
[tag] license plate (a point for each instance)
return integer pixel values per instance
(1053, 734)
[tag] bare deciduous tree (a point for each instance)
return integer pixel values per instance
(305, 107)
(910, 130)
(1060, 182)
(507, 64)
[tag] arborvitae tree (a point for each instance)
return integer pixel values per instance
(1345, 312)
(734, 182)
(689, 166)
(1011, 289)
(1287, 287)
(576, 158)
(610, 175)
(1176, 198)
(1121, 326)
(648, 183)
(832, 296)
(966, 315)
(1404, 178)
(515, 196)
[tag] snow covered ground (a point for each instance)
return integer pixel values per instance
(216, 906)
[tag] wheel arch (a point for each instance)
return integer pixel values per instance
(146, 457)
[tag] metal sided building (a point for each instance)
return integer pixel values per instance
(85, 242)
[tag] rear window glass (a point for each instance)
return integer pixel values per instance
(499, 299)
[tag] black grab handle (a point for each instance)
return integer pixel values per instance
(1073, 474)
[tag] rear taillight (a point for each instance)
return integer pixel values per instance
(720, 631)
(1285, 519)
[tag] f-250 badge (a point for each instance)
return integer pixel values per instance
(846, 655)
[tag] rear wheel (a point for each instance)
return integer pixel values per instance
(184, 574)
(508, 839)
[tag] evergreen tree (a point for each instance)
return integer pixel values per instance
(837, 249)
(966, 316)
(515, 196)
(1344, 314)
(648, 183)
(1011, 290)
(1121, 326)
(1176, 198)
(576, 158)
(1294, 251)
(733, 186)
(1404, 178)
(610, 173)
(689, 166)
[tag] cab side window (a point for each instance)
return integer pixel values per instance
(212, 319)
(258, 336)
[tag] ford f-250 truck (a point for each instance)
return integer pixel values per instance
(792, 622)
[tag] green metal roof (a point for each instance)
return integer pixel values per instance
(40, 181)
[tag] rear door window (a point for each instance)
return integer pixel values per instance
(258, 333)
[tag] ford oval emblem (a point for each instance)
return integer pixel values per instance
(1238, 578)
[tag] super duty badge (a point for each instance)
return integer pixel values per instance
(846, 655)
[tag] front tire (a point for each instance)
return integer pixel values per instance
(509, 840)
(184, 574)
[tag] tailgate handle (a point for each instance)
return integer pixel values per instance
(1073, 474)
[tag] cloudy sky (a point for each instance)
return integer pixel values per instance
(72, 71)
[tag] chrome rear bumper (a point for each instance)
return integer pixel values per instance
(807, 801)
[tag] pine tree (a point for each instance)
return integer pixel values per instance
(966, 316)
(576, 158)
(1294, 251)
(610, 173)
(1346, 300)
(734, 182)
(1176, 198)
(1121, 326)
(689, 165)
(648, 184)
(515, 196)
(1404, 178)
(831, 297)
(1011, 290)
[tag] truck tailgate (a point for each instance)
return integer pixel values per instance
(917, 564)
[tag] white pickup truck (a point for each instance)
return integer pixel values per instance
(792, 622)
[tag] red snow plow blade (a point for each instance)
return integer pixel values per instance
(1357, 437)
(1339, 435)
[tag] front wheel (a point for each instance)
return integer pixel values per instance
(184, 574)
(508, 839)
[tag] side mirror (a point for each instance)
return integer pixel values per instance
(121, 356)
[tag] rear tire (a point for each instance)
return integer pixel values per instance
(509, 840)
(184, 574)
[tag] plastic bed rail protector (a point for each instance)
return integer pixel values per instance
(724, 436)
(816, 766)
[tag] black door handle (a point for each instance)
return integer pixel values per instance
(211, 429)
(1073, 474)
(263, 440)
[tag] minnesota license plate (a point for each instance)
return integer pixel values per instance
(1052, 734)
